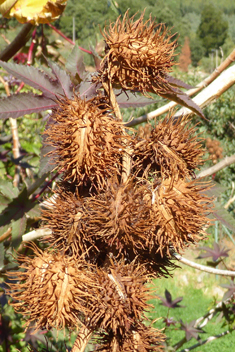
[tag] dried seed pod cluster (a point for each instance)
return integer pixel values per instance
(125, 203)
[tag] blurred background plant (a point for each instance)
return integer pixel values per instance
(25, 178)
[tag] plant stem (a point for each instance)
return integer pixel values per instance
(209, 339)
(68, 39)
(5, 235)
(19, 41)
(204, 268)
(126, 162)
(82, 340)
(228, 160)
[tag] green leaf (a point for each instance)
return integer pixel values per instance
(16, 209)
(18, 229)
(2, 252)
(8, 190)
(35, 212)
(4, 201)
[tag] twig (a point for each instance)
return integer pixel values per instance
(6, 40)
(204, 268)
(209, 339)
(5, 235)
(228, 160)
(46, 185)
(209, 315)
(190, 92)
(180, 343)
(82, 340)
(19, 41)
(33, 235)
(229, 202)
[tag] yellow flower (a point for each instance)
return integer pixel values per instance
(33, 11)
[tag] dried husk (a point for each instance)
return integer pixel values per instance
(52, 290)
(179, 214)
(171, 149)
(140, 339)
(138, 55)
(122, 299)
(88, 143)
(65, 217)
(118, 216)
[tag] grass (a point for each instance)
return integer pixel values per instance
(199, 291)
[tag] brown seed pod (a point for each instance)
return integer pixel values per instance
(88, 143)
(138, 55)
(171, 149)
(140, 339)
(64, 216)
(118, 216)
(52, 291)
(179, 212)
(122, 299)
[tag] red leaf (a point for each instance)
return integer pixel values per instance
(34, 78)
(24, 103)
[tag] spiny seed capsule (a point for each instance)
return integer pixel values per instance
(138, 55)
(88, 143)
(52, 290)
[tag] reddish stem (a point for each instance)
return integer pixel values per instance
(30, 53)
(45, 187)
(68, 39)
(30, 57)
(19, 88)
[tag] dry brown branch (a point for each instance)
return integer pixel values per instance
(204, 268)
(82, 340)
(228, 160)
(190, 92)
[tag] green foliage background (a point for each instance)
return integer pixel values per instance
(184, 17)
